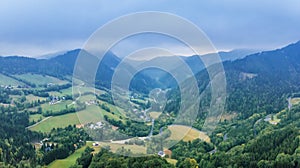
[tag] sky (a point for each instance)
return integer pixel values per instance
(33, 28)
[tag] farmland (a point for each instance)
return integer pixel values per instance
(186, 133)
(5, 80)
(39, 79)
(90, 114)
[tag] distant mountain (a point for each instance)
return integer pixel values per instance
(174, 65)
(51, 55)
(196, 64)
(59, 66)
(62, 66)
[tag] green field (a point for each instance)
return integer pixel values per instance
(5, 80)
(87, 98)
(31, 98)
(71, 160)
(91, 114)
(69, 91)
(35, 117)
(186, 133)
(56, 122)
(56, 107)
(40, 79)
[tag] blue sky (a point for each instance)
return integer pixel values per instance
(33, 27)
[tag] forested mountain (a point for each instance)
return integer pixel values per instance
(263, 81)
(62, 66)
(173, 65)
(260, 82)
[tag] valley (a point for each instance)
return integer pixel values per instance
(70, 123)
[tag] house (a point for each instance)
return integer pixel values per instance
(161, 153)
(90, 102)
(97, 125)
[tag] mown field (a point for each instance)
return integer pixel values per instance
(36, 117)
(91, 114)
(56, 107)
(31, 98)
(154, 114)
(136, 149)
(5, 80)
(71, 160)
(40, 79)
(186, 133)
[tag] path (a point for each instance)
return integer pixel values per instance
(78, 89)
(39, 122)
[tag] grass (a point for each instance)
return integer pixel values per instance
(5, 80)
(154, 114)
(69, 91)
(186, 133)
(69, 161)
(275, 120)
(136, 149)
(56, 107)
(91, 114)
(40, 79)
(15, 97)
(35, 117)
(87, 98)
(56, 122)
(31, 98)
(295, 101)
(172, 161)
(96, 148)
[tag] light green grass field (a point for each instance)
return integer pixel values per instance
(87, 98)
(40, 79)
(69, 161)
(5, 80)
(91, 114)
(69, 91)
(56, 107)
(56, 122)
(35, 117)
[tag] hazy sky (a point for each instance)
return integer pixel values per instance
(34, 27)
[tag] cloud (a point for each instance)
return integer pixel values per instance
(32, 26)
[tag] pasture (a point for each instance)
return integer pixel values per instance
(186, 133)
